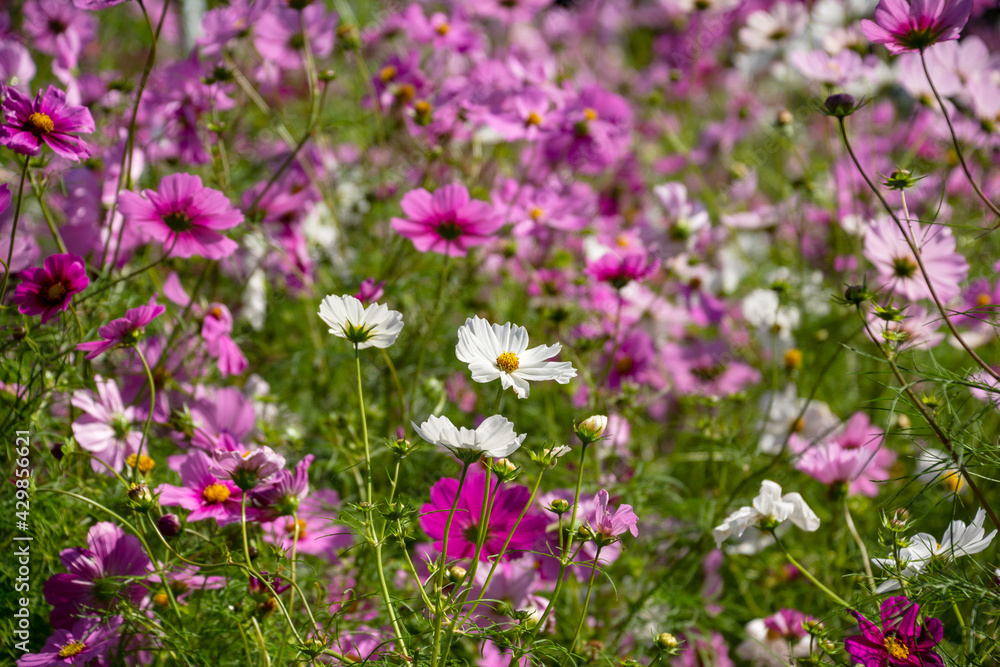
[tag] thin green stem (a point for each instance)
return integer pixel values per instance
(13, 229)
(809, 575)
(586, 601)
(149, 417)
(849, 521)
(439, 592)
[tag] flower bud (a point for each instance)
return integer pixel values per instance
(559, 506)
(139, 498)
(456, 573)
(591, 428)
(840, 105)
(666, 642)
(169, 525)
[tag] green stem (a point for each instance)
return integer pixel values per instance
(586, 602)
(808, 575)
(13, 229)
(439, 607)
(149, 417)
(849, 520)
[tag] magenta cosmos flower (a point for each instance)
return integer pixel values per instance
(124, 330)
(30, 123)
(447, 222)
(204, 494)
(99, 577)
(507, 506)
(902, 640)
(86, 643)
(184, 216)
(913, 26)
(47, 291)
(887, 249)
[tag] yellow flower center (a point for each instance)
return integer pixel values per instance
(953, 482)
(590, 114)
(508, 362)
(983, 300)
(216, 493)
(41, 123)
(71, 649)
(145, 463)
(536, 213)
(896, 649)
(533, 119)
(55, 292)
(443, 29)
(388, 73)
(290, 528)
(161, 599)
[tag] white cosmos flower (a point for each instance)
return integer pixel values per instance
(960, 539)
(493, 351)
(348, 318)
(494, 437)
(771, 508)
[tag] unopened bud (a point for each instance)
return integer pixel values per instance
(559, 506)
(169, 525)
(840, 105)
(666, 641)
(591, 428)
(456, 573)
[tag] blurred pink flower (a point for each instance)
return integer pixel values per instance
(905, 26)
(446, 222)
(124, 330)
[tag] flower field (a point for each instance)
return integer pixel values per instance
(500, 332)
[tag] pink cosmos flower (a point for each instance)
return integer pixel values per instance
(105, 427)
(902, 640)
(124, 330)
(184, 216)
(706, 368)
(609, 525)
(370, 291)
(318, 532)
(47, 119)
(204, 494)
(96, 5)
(247, 468)
(619, 269)
(16, 63)
(59, 29)
(447, 222)
(215, 331)
(887, 249)
(86, 643)
(99, 576)
(698, 649)
(514, 587)
(593, 131)
(282, 496)
(47, 291)
(507, 506)
(280, 35)
(905, 26)
(222, 421)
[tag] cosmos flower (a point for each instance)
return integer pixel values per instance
(247, 469)
(371, 326)
(215, 331)
(772, 641)
(610, 525)
(493, 437)
(222, 421)
(960, 539)
(494, 351)
(48, 290)
(105, 427)
(769, 509)
(319, 533)
(447, 222)
(99, 576)
(46, 120)
(184, 216)
(204, 494)
(123, 331)
(902, 640)
(887, 249)
(59, 29)
(619, 269)
(86, 643)
(508, 504)
(913, 25)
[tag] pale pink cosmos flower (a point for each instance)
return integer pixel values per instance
(887, 249)
(610, 525)
(105, 427)
(184, 216)
(913, 26)
(447, 222)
